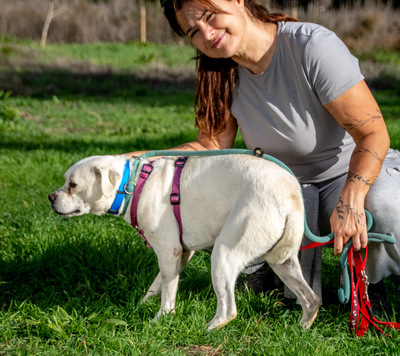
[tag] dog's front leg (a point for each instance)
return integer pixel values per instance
(155, 287)
(169, 262)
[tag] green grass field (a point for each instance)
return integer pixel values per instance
(73, 286)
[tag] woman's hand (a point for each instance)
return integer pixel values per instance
(348, 221)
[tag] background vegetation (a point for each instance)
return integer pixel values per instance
(73, 286)
(362, 24)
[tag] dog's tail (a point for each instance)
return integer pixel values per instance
(290, 240)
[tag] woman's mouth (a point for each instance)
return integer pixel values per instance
(218, 41)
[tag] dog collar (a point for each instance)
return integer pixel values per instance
(122, 191)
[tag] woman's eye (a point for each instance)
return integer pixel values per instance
(191, 34)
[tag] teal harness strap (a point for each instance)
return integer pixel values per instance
(258, 152)
(344, 290)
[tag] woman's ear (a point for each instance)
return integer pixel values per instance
(240, 3)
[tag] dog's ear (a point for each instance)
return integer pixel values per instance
(109, 179)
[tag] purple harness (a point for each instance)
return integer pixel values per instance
(175, 197)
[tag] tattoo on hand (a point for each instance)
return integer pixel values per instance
(366, 150)
(342, 209)
(360, 123)
(354, 177)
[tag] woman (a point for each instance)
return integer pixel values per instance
(295, 90)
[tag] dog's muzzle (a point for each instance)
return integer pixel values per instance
(52, 198)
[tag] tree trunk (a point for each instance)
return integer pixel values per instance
(143, 35)
(45, 30)
(51, 13)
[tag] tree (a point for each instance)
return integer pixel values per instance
(143, 20)
(143, 35)
(51, 13)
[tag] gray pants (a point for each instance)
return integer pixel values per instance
(383, 201)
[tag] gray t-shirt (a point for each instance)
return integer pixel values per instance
(281, 110)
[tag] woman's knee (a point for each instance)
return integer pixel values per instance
(383, 199)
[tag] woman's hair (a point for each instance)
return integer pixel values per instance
(216, 77)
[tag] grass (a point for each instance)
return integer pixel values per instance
(128, 56)
(73, 286)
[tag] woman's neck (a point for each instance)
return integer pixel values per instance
(258, 47)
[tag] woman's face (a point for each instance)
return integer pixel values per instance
(216, 34)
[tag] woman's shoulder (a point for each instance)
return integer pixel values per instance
(301, 30)
(307, 39)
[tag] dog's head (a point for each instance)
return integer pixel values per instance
(90, 186)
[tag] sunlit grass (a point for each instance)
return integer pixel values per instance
(73, 286)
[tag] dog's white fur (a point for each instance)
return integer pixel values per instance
(240, 206)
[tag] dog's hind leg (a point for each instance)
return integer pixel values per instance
(155, 288)
(290, 273)
(224, 271)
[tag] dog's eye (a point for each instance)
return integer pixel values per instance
(72, 185)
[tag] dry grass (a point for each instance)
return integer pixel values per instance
(82, 22)
(374, 25)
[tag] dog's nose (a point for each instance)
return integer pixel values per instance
(52, 197)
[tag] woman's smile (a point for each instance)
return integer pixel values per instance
(218, 40)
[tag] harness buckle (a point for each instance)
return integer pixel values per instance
(180, 162)
(175, 198)
(147, 168)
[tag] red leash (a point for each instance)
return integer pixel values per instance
(361, 315)
(316, 244)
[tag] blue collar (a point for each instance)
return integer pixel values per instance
(121, 191)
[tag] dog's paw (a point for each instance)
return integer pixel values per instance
(149, 296)
(162, 313)
(306, 321)
(219, 322)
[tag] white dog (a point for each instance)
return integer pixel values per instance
(242, 207)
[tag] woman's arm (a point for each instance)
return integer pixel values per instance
(358, 113)
(222, 141)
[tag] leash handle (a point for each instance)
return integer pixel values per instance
(361, 315)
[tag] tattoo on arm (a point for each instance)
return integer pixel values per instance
(354, 177)
(342, 209)
(366, 150)
(360, 123)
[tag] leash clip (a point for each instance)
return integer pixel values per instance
(127, 189)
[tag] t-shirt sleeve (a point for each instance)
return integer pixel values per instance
(331, 68)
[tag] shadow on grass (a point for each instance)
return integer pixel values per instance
(47, 82)
(83, 270)
(92, 145)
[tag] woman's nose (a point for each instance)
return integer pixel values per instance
(207, 32)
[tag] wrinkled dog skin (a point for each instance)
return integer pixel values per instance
(240, 206)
